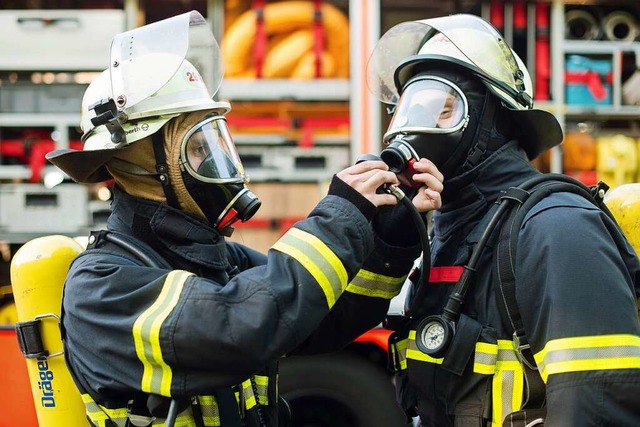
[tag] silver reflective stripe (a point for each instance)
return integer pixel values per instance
(590, 353)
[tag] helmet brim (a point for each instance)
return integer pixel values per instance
(84, 167)
(539, 130)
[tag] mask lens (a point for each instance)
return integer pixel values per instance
(209, 154)
(429, 105)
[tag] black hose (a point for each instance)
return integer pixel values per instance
(425, 267)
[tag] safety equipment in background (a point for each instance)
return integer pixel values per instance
(469, 43)
(579, 149)
(581, 24)
(617, 159)
(620, 26)
(213, 174)
(281, 40)
(156, 72)
(624, 203)
(431, 116)
(631, 86)
(38, 271)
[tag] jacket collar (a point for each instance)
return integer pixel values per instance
(466, 198)
(182, 239)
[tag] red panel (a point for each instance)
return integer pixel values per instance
(16, 403)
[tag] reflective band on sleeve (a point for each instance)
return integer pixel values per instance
(210, 411)
(375, 285)
(157, 375)
(316, 257)
(508, 383)
(98, 414)
(594, 353)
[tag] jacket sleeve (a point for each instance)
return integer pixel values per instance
(366, 300)
(576, 293)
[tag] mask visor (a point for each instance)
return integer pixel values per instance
(429, 105)
(209, 154)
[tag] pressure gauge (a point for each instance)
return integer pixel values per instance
(433, 336)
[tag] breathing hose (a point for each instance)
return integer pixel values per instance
(425, 265)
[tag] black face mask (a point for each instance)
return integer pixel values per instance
(222, 204)
(448, 151)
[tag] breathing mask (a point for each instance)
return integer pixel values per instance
(213, 174)
(429, 121)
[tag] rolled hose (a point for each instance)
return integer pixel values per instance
(582, 25)
(282, 18)
(620, 26)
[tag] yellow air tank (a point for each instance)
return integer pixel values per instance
(38, 271)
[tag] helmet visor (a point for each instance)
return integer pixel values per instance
(430, 105)
(143, 60)
(462, 37)
(209, 155)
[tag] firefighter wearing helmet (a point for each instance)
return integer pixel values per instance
(462, 98)
(166, 321)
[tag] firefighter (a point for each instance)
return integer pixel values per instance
(162, 314)
(463, 99)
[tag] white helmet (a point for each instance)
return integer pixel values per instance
(468, 42)
(156, 72)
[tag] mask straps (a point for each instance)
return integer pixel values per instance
(476, 154)
(163, 169)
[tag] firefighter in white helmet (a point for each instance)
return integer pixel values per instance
(463, 99)
(162, 316)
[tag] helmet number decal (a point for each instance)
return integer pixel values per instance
(193, 76)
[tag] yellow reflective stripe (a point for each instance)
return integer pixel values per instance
(371, 284)
(414, 354)
(98, 414)
(316, 257)
(399, 354)
(484, 360)
(262, 383)
(508, 382)
(210, 411)
(184, 419)
(157, 375)
(591, 353)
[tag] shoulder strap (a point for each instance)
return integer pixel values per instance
(530, 193)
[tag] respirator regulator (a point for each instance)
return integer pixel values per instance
(429, 120)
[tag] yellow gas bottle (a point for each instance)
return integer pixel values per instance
(38, 271)
(617, 160)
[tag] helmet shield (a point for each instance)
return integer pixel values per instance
(429, 105)
(208, 154)
(464, 39)
(144, 60)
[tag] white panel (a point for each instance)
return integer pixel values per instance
(48, 40)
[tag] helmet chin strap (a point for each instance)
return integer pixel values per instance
(163, 169)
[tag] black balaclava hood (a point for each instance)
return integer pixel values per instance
(481, 135)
